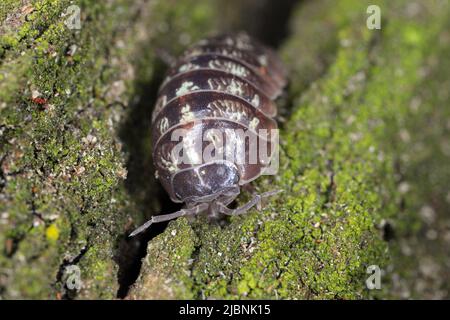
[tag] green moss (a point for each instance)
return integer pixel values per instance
(63, 163)
(167, 265)
(424, 172)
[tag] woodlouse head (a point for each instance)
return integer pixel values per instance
(205, 183)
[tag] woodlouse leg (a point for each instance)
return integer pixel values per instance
(243, 209)
(271, 193)
(240, 210)
(170, 216)
(250, 188)
(266, 195)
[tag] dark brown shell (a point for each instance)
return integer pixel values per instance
(224, 82)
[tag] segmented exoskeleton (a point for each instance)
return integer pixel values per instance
(219, 88)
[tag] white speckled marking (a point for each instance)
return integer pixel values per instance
(163, 125)
(262, 60)
(169, 165)
(186, 114)
(228, 109)
(186, 87)
(229, 66)
(235, 87)
(256, 100)
(254, 123)
(187, 67)
(217, 84)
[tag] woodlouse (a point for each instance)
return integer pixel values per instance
(222, 83)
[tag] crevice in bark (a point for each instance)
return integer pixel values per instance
(2, 173)
(329, 192)
(131, 251)
(269, 22)
(140, 184)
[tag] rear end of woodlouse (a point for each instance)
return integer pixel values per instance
(214, 112)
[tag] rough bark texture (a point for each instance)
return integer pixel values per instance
(364, 155)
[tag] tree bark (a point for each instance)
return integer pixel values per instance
(76, 172)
